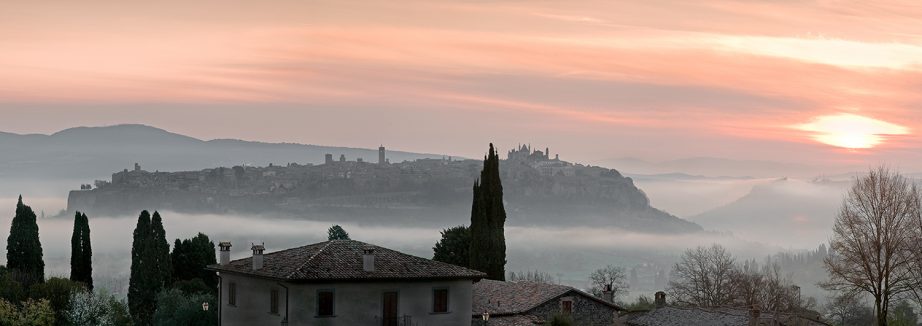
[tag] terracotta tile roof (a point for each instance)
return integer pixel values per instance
(341, 260)
(510, 298)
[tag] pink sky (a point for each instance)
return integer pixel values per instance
(594, 80)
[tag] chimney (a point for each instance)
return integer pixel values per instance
(225, 252)
(660, 299)
(368, 259)
(258, 255)
(608, 294)
(754, 314)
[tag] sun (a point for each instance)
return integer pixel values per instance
(851, 131)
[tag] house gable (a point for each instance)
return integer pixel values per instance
(584, 309)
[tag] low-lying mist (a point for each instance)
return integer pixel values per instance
(569, 253)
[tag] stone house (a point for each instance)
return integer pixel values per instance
(342, 282)
(532, 303)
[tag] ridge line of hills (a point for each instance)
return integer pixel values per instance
(415, 188)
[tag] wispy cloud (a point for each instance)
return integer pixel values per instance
(733, 72)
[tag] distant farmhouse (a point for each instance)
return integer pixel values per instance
(342, 282)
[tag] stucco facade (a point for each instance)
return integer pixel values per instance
(355, 303)
(340, 283)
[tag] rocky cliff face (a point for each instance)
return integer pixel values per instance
(437, 192)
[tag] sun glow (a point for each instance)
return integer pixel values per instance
(851, 131)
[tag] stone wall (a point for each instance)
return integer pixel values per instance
(586, 311)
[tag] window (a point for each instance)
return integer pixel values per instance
(566, 307)
(325, 301)
(440, 300)
(232, 294)
(274, 301)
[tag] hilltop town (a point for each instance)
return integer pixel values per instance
(540, 189)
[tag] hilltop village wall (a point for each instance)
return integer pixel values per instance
(537, 188)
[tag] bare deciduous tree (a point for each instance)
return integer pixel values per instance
(916, 255)
(612, 276)
(704, 277)
(847, 309)
(873, 239)
(767, 288)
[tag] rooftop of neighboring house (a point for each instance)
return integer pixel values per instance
(344, 260)
(719, 316)
(511, 298)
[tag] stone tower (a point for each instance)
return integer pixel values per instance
(381, 157)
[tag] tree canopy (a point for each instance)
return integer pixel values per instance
(454, 247)
(190, 257)
(175, 307)
(337, 232)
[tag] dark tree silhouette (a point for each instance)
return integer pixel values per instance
(23, 248)
(337, 232)
(81, 252)
(150, 267)
(190, 257)
(488, 219)
(454, 247)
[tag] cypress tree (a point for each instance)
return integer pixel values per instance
(140, 301)
(488, 219)
(75, 248)
(150, 267)
(81, 253)
(87, 255)
(161, 250)
(23, 248)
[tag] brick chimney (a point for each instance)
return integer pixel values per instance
(368, 259)
(225, 252)
(608, 294)
(660, 299)
(258, 255)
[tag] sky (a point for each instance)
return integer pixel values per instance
(831, 83)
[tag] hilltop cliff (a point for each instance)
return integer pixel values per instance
(539, 190)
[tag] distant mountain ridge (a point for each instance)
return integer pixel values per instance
(715, 167)
(782, 211)
(96, 152)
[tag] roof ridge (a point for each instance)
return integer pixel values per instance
(271, 253)
(297, 270)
